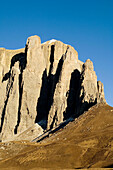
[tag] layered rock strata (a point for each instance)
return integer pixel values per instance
(44, 84)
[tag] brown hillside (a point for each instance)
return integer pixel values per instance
(83, 143)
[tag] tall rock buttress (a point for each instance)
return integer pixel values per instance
(44, 84)
(31, 82)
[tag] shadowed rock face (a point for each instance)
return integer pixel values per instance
(44, 84)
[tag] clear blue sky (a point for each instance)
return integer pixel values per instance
(87, 25)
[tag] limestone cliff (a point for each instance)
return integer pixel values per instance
(44, 84)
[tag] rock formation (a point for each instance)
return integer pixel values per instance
(44, 84)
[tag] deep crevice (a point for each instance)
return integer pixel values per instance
(42, 101)
(72, 94)
(20, 103)
(51, 59)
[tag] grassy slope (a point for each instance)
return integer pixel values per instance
(85, 142)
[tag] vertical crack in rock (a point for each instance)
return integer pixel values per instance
(20, 102)
(51, 60)
(50, 78)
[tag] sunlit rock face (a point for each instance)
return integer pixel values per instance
(44, 84)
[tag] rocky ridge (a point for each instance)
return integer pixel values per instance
(44, 84)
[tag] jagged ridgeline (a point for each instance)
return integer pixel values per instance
(43, 85)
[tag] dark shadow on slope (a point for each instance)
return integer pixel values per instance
(109, 166)
(52, 131)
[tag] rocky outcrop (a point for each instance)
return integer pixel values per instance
(30, 133)
(100, 96)
(87, 95)
(44, 84)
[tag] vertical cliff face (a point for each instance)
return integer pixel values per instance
(10, 64)
(44, 84)
(10, 109)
